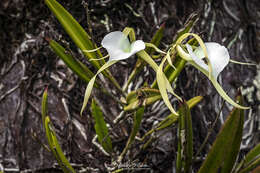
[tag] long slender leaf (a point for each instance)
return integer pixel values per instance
(101, 127)
(251, 166)
(74, 30)
(52, 139)
(231, 156)
(254, 153)
(83, 72)
(250, 159)
(223, 143)
(185, 143)
(79, 36)
(56, 149)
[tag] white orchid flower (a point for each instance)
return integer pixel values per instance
(119, 47)
(218, 56)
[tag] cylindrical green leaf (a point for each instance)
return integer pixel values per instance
(73, 28)
(223, 143)
(251, 159)
(234, 149)
(185, 140)
(101, 127)
(77, 67)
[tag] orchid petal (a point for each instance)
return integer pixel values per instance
(137, 46)
(118, 46)
(91, 84)
(219, 89)
(218, 56)
(115, 40)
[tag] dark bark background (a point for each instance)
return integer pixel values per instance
(27, 66)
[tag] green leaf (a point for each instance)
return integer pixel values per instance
(231, 156)
(222, 147)
(74, 30)
(52, 139)
(101, 127)
(79, 36)
(56, 149)
(185, 140)
(254, 153)
(251, 166)
(137, 122)
(76, 66)
(251, 159)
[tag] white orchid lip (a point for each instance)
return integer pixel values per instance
(218, 56)
(119, 47)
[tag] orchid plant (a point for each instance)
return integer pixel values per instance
(208, 57)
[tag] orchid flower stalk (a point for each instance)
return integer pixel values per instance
(210, 58)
